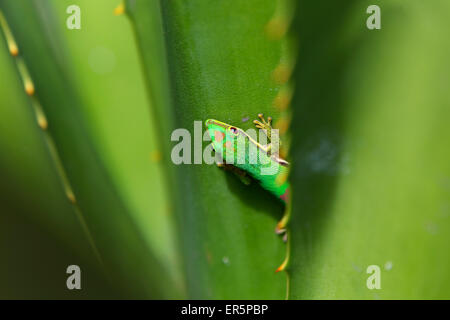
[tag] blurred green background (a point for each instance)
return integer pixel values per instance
(103, 65)
(368, 142)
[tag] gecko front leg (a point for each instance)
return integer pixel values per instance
(241, 174)
(266, 126)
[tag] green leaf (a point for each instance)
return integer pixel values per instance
(221, 63)
(41, 235)
(107, 220)
(108, 73)
(371, 176)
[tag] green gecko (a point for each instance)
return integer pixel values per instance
(226, 139)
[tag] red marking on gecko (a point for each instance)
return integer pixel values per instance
(218, 136)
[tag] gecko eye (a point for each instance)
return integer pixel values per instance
(234, 130)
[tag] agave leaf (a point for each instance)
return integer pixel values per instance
(40, 234)
(220, 63)
(124, 254)
(108, 72)
(371, 176)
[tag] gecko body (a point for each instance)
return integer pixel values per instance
(250, 158)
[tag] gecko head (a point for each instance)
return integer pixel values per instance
(222, 135)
